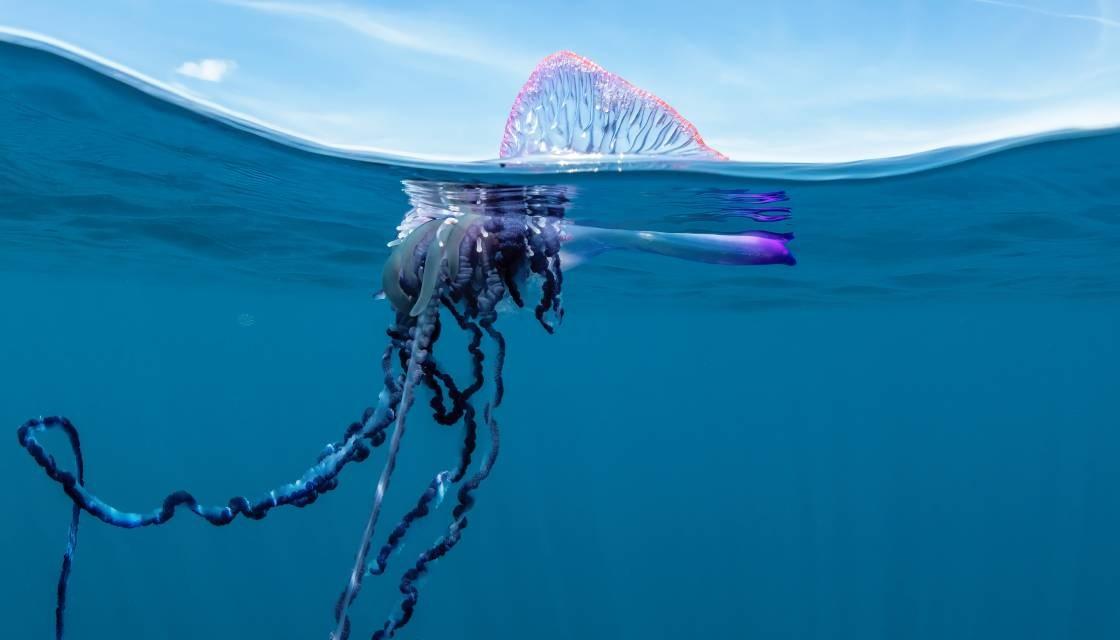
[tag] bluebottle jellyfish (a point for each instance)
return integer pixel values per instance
(461, 251)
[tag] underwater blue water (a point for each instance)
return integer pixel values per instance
(912, 433)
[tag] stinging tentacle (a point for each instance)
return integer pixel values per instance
(445, 544)
(454, 534)
(422, 334)
(423, 507)
(317, 480)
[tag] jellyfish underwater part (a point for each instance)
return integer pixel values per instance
(462, 250)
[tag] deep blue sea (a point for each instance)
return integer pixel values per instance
(913, 433)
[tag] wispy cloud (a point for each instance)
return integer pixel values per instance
(208, 69)
(1101, 20)
(422, 34)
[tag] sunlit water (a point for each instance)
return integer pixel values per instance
(912, 433)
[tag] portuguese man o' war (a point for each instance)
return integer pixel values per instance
(570, 105)
(462, 251)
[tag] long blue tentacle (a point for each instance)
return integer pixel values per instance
(421, 336)
(466, 501)
(320, 478)
(445, 544)
(439, 484)
(464, 409)
(477, 360)
(423, 507)
(317, 480)
(72, 534)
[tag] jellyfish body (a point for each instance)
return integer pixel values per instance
(461, 252)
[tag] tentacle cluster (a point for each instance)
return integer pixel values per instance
(481, 259)
(466, 263)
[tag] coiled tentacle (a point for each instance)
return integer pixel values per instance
(448, 542)
(421, 340)
(478, 375)
(463, 409)
(75, 515)
(317, 480)
(445, 544)
(423, 507)
(320, 478)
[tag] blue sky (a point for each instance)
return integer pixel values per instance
(773, 80)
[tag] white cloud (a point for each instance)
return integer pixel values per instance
(208, 69)
(424, 34)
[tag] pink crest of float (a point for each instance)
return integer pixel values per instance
(570, 105)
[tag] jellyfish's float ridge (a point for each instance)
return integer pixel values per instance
(570, 105)
(461, 251)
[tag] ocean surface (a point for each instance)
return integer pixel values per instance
(912, 433)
